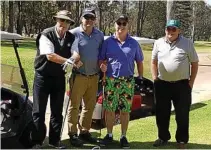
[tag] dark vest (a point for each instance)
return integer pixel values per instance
(48, 68)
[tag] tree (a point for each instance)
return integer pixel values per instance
(141, 17)
(19, 18)
(3, 16)
(11, 16)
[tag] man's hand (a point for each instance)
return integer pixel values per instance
(154, 78)
(78, 64)
(103, 67)
(194, 70)
(69, 62)
(191, 83)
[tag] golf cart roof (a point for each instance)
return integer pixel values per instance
(13, 78)
(10, 36)
(140, 40)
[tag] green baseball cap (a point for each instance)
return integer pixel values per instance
(173, 23)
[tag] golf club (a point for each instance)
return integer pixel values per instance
(65, 65)
(103, 83)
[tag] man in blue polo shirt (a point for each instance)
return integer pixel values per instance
(85, 86)
(119, 52)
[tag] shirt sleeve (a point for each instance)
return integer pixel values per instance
(155, 52)
(102, 54)
(75, 45)
(139, 54)
(45, 46)
(193, 57)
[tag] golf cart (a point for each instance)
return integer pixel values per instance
(16, 108)
(143, 100)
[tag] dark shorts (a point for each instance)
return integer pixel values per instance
(119, 94)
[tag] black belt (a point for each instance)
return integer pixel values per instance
(178, 81)
(86, 74)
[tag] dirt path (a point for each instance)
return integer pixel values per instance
(202, 87)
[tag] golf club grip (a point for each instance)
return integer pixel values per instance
(104, 73)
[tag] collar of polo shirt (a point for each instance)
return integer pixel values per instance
(57, 34)
(128, 36)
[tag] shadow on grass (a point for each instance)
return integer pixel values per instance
(133, 145)
(193, 107)
(197, 106)
(170, 145)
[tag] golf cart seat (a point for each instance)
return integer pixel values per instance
(10, 113)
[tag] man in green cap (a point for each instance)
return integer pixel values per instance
(174, 69)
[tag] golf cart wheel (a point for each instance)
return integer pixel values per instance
(26, 139)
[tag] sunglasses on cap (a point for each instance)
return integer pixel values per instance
(121, 23)
(173, 29)
(89, 17)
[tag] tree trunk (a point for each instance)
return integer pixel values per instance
(10, 28)
(26, 29)
(142, 15)
(140, 20)
(124, 7)
(77, 13)
(100, 14)
(138, 31)
(19, 18)
(3, 15)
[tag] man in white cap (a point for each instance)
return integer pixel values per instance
(53, 49)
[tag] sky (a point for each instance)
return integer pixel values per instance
(208, 2)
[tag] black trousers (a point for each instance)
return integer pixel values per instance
(180, 93)
(42, 88)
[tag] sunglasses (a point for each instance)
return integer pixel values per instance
(66, 21)
(89, 17)
(173, 29)
(121, 23)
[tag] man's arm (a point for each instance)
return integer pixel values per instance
(194, 70)
(47, 48)
(154, 69)
(56, 58)
(154, 61)
(193, 58)
(140, 68)
(59, 59)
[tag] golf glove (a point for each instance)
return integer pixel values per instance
(68, 62)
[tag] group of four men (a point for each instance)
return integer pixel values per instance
(115, 56)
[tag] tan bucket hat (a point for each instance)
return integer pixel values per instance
(64, 14)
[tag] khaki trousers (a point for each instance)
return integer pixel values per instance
(83, 87)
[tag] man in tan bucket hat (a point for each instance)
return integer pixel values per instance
(64, 15)
(54, 48)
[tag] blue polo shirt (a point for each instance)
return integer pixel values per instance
(88, 48)
(121, 56)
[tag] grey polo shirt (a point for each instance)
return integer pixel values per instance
(174, 58)
(88, 48)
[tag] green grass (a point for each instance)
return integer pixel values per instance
(27, 53)
(142, 132)
(203, 46)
